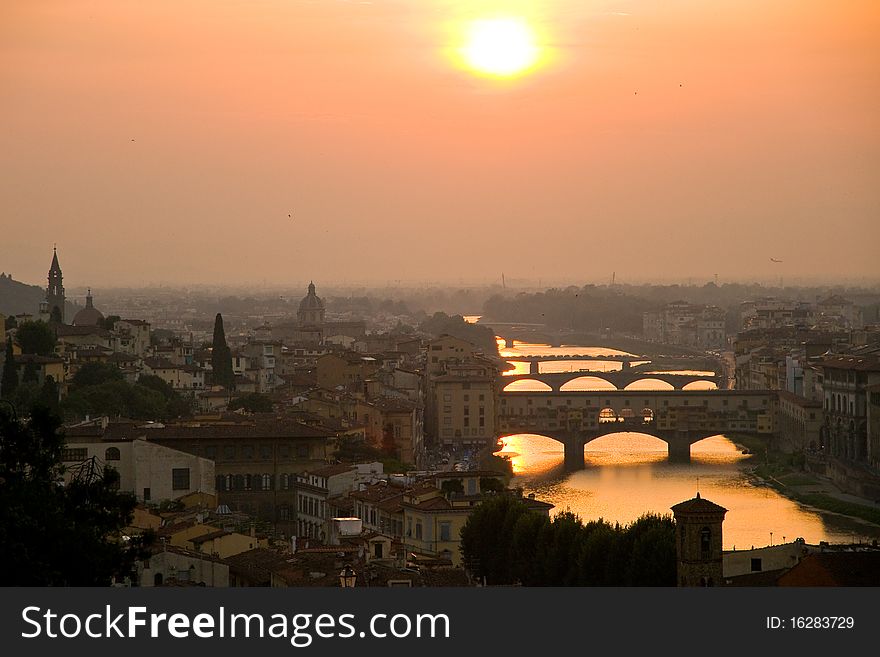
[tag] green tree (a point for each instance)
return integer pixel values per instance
(254, 402)
(30, 372)
(92, 374)
(35, 338)
(49, 395)
(221, 357)
(51, 534)
(11, 323)
(109, 322)
(55, 318)
(9, 382)
(25, 396)
(453, 486)
(115, 399)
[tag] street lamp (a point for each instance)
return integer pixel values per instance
(347, 577)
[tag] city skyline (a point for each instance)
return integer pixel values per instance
(200, 143)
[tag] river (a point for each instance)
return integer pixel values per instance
(628, 474)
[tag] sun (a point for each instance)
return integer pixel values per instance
(500, 47)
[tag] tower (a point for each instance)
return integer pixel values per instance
(698, 542)
(55, 289)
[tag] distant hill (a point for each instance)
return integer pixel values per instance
(17, 298)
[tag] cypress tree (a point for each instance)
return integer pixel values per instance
(10, 373)
(221, 356)
(49, 394)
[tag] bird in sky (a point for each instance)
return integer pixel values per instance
(775, 260)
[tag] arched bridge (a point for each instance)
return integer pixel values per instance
(680, 418)
(619, 379)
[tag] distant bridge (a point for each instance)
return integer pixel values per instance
(619, 379)
(680, 418)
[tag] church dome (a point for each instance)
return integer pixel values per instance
(88, 316)
(311, 301)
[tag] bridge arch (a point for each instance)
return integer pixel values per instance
(650, 384)
(702, 384)
(527, 385)
(588, 382)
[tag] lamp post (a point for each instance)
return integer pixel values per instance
(347, 577)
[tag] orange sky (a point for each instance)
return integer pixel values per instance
(707, 136)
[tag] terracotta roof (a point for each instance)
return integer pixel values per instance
(860, 363)
(835, 569)
(698, 505)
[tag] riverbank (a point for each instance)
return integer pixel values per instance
(785, 473)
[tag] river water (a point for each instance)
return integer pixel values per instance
(628, 474)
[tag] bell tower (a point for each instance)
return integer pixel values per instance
(55, 289)
(698, 542)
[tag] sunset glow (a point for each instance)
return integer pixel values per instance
(500, 47)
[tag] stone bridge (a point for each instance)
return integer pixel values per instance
(680, 418)
(619, 379)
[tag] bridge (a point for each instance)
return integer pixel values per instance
(680, 418)
(619, 379)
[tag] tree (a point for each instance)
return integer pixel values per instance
(35, 338)
(115, 399)
(55, 317)
(221, 357)
(52, 534)
(452, 486)
(109, 322)
(11, 323)
(9, 382)
(48, 396)
(92, 374)
(252, 403)
(30, 372)
(506, 543)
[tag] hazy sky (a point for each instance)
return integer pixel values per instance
(168, 141)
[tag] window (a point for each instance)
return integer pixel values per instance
(75, 454)
(285, 481)
(229, 452)
(266, 482)
(111, 454)
(247, 451)
(467, 397)
(445, 531)
(211, 452)
(418, 529)
(146, 494)
(180, 479)
(705, 542)
(265, 452)
(302, 451)
(756, 565)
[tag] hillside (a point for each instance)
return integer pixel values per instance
(17, 297)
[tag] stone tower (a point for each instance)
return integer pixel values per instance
(698, 542)
(55, 289)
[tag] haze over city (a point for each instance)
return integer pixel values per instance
(228, 142)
